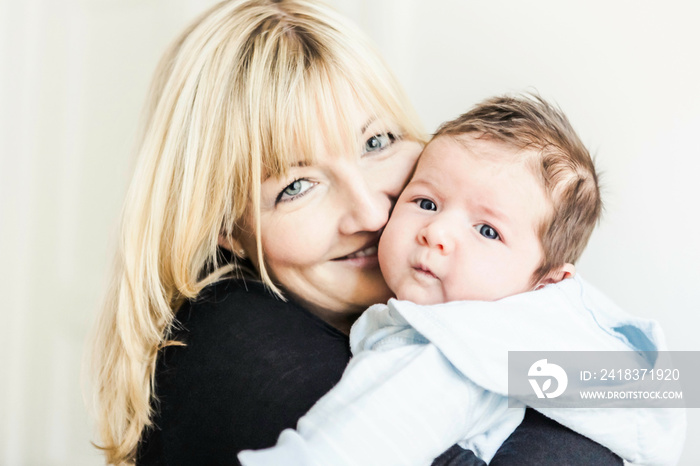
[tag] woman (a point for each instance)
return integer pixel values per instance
(275, 143)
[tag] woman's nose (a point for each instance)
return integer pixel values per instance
(437, 234)
(367, 208)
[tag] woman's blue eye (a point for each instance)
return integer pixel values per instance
(487, 231)
(379, 142)
(427, 204)
(294, 190)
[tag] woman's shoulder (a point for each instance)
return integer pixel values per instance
(244, 307)
(251, 365)
(241, 330)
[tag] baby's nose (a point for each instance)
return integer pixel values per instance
(438, 235)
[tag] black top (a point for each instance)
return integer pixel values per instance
(252, 366)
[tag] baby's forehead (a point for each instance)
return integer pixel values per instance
(485, 146)
(485, 171)
(484, 149)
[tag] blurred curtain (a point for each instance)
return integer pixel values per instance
(73, 74)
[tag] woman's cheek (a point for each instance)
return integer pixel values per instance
(295, 240)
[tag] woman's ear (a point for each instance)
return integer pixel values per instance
(558, 274)
(231, 245)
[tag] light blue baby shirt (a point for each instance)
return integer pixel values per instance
(425, 377)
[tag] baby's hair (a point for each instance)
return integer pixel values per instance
(562, 162)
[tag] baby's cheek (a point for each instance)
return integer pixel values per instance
(389, 259)
(384, 253)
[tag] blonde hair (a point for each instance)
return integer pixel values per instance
(561, 162)
(242, 93)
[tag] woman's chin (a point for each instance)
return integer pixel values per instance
(371, 290)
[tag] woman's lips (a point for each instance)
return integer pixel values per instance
(366, 256)
(370, 251)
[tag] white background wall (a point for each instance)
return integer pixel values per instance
(73, 74)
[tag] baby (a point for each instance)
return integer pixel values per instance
(502, 202)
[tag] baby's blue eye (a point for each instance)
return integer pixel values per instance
(487, 231)
(378, 142)
(427, 204)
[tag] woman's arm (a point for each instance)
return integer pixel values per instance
(540, 441)
(397, 406)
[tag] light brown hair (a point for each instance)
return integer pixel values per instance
(562, 163)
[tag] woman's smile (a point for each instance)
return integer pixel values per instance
(366, 256)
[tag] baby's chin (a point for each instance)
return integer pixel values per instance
(421, 297)
(428, 297)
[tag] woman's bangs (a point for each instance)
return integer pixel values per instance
(335, 112)
(312, 116)
(321, 101)
(381, 98)
(331, 109)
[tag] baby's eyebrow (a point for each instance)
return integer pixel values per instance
(422, 181)
(495, 213)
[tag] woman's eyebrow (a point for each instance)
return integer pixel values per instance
(367, 124)
(297, 164)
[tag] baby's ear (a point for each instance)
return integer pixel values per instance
(556, 275)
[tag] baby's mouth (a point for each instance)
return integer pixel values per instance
(425, 271)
